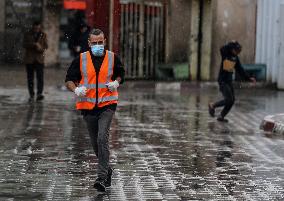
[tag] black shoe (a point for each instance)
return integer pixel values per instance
(39, 97)
(108, 180)
(31, 99)
(222, 119)
(211, 110)
(100, 185)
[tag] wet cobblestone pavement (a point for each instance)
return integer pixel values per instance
(164, 146)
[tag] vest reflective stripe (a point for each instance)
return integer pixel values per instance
(94, 86)
(84, 69)
(108, 98)
(84, 99)
(110, 63)
(100, 100)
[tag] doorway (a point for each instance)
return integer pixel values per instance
(200, 40)
(142, 37)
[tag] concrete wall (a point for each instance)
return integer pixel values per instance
(206, 29)
(206, 48)
(269, 38)
(233, 20)
(280, 77)
(2, 16)
(193, 41)
(2, 26)
(177, 30)
(51, 26)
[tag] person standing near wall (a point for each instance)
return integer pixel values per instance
(230, 63)
(78, 42)
(35, 44)
(83, 45)
(94, 77)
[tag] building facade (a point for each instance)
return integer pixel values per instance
(269, 39)
(233, 20)
(149, 34)
(17, 16)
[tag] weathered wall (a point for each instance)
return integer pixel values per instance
(206, 40)
(280, 77)
(2, 26)
(2, 16)
(269, 39)
(206, 29)
(193, 41)
(233, 20)
(51, 26)
(178, 30)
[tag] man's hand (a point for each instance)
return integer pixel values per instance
(253, 80)
(38, 46)
(112, 86)
(80, 91)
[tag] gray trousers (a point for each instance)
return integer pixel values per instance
(98, 127)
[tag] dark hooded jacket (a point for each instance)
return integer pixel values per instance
(229, 64)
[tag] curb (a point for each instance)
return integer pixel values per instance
(271, 124)
(184, 85)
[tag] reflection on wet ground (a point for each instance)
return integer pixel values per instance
(164, 147)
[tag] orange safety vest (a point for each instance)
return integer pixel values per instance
(89, 79)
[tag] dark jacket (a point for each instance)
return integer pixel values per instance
(229, 64)
(35, 45)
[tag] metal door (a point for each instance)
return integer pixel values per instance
(141, 37)
(280, 81)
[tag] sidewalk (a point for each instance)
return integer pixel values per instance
(15, 75)
(273, 123)
(183, 85)
(164, 145)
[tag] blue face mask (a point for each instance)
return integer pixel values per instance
(98, 50)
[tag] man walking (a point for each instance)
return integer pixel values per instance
(230, 62)
(35, 44)
(94, 77)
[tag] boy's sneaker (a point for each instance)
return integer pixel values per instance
(222, 119)
(31, 99)
(211, 110)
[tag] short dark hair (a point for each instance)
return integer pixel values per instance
(36, 23)
(236, 45)
(96, 32)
